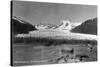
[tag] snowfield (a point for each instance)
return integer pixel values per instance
(59, 35)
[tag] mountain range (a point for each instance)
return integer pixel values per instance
(22, 27)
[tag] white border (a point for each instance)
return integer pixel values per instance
(5, 33)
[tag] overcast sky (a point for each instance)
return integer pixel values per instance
(52, 13)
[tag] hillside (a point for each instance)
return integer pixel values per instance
(87, 27)
(21, 26)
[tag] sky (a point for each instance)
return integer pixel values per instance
(52, 13)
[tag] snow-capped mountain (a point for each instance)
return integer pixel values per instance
(65, 25)
(59, 32)
(41, 26)
(62, 31)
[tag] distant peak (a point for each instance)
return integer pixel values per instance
(65, 21)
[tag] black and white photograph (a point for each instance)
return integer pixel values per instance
(53, 33)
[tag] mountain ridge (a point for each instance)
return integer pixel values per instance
(21, 26)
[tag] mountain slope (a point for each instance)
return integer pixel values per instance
(20, 26)
(88, 27)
